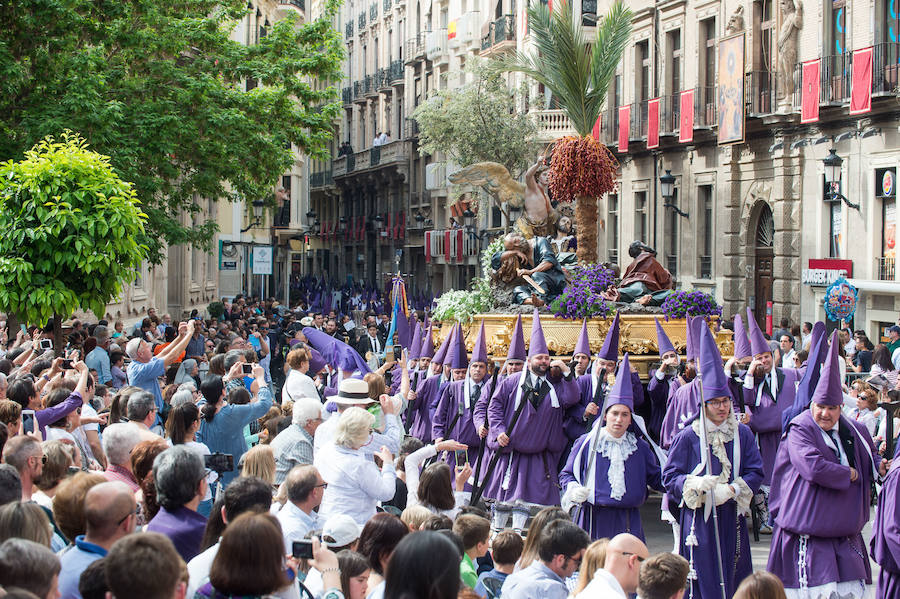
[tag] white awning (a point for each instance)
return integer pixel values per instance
(876, 286)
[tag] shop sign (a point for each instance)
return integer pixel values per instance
(822, 273)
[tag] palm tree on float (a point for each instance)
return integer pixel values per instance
(578, 74)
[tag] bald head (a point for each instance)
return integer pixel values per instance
(107, 507)
(624, 555)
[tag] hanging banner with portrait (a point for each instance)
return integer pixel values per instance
(731, 89)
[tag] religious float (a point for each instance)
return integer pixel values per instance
(540, 264)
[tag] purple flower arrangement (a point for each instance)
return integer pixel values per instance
(681, 304)
(581, 297)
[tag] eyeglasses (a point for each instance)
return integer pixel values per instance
(323, 485)
(125, 517)
(718, 403)
(577, 560)
(627, 553)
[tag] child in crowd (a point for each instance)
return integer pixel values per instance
(506, 549)
(475, 533)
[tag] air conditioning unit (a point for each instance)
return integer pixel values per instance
(435, 175)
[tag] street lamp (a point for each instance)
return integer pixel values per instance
(669, 193)
(379, 223)
(514, 212)
(468, 219)
(420, 220)
(833, 164)
(342, 224)
(257, 215)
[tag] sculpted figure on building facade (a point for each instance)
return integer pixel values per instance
(791, 23)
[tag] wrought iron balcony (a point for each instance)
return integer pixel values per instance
(361, 20)
(760, 92)
(885, 67)
(348, 30)
(386, 6)
(373, 12)
(415, 47)
(499, 31)
(357, 90)
(834, 82)
(283, 215)
(296, 4)
(347, 95)
(321, 179)
(396, 71)
(885, 268)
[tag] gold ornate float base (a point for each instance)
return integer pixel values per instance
(637, 335)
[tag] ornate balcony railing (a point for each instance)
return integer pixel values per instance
(348, 30)
(885, 268)
(373, 12)
(361, 20)
(760, 92)
(501, 30)
(396, 71)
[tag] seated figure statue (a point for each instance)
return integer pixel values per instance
(645, 281)
(524, 259)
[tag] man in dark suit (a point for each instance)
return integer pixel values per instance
(370, 342)
(383, 327)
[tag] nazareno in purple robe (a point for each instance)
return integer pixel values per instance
(575, 424)
(683, 406)
(526, 470)
(818, 512)
(608, 516)
(424, 406)
(765, 419)
(684, 456)
(885, 544)
(463, 431)
(660, 392)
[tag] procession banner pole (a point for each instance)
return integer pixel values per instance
(710, 495)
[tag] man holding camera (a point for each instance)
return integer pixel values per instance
(145, 368)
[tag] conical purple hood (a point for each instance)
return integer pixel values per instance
(584, 344)
(758, 343)
(807, 386)
(427, 350)
(441, 353)
(479, 351)
(517, 342)
(610, 349)
(662, 340)
(691, 342)
(828, 391)
(713, 379)
(403, 331)
(741, 342)
(538, 344)
(621, 392)
(316, 362)
(456, 354)
(415, 345)
(336, 352)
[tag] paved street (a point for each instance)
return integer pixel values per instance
(659, 538)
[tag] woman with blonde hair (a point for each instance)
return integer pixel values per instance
(594, 559)
(260, 462)
(59, 456)
(538, 524)
(354, 483)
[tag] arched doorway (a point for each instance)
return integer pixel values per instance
(763, 271)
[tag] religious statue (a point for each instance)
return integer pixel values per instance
(564, 242)
(645, 281)
(530, 267)
(539, 218)
(736, 21)
(791, 23)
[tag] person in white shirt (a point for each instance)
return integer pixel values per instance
(786, 351)
(433, 488)
(305, 489)
(299, 382)
(355, 393)
(355, 483)
(618, 578)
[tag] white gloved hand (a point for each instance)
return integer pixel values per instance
(723, 493)
(578, 493)
(707, 483)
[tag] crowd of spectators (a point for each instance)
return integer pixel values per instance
(204, 459)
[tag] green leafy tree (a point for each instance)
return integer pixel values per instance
(69, 231)
(159, 87)
(578, 73)
(478, 122)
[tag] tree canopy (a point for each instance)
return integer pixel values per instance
(478, 122)
(159, 87)
(68, 231)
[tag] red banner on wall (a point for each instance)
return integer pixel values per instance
(686, 117)
(597, 126)
(861, 85)
(653, 123)
(809, 96)
(427, 246)
(624, 125)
